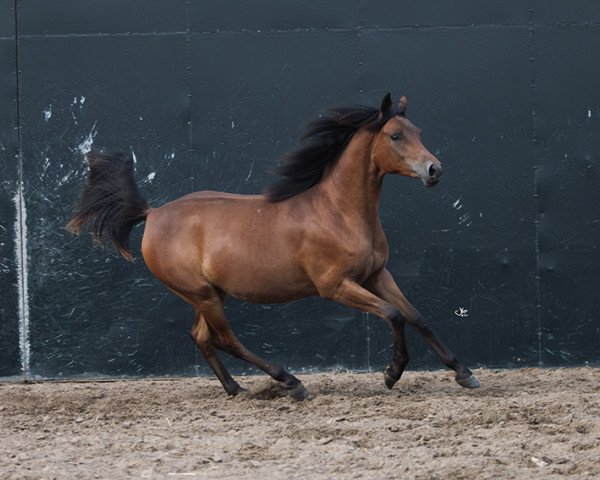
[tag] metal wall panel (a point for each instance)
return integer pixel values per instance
(88, 17)
(252, 95)
(10, 361)
(251, 98)
(91, 312)
(469, 242)
(268, 15)
(210, 95)
(568, 151)
(562, 14)
(433, 13)
(7, 22)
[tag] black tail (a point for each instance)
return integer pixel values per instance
(111, 203)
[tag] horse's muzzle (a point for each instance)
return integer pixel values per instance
(434, 174)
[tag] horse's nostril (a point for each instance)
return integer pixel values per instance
(432, 171)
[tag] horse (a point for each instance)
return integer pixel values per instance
(315, 231)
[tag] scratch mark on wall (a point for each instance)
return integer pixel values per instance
(86, 144)
(72, 112)
(465, 218)
(250, 172)
(64, 179)
(77, 102)
(48, 113)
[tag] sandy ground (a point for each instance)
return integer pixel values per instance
(527, 423)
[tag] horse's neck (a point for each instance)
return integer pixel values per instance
(353, 184)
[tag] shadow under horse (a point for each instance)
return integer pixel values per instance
(316, 231)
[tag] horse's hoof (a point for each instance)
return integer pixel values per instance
(298, 392)
(238, 391)
(469, 382)
(389, 379)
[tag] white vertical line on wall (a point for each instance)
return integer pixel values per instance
(22, 277)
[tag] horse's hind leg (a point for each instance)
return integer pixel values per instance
(395, 369)
(202, 337)
(224, 339)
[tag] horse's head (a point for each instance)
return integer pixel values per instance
(398, 148)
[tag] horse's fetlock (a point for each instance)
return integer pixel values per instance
(293, 382)
(402, 362)
(279, 374)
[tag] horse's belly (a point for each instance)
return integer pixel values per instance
(255, 269)
(260, 280)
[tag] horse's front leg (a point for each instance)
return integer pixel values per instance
(372, 300)
(384, 286)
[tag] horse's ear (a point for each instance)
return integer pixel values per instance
(402, 104)
(386, 104)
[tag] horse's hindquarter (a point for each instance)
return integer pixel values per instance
(243, 245)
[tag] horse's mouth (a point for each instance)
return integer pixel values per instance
(431, 183)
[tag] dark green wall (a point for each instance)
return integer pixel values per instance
(209, 95)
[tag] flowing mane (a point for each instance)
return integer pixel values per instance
(321, 145)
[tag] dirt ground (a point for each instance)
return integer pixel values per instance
(526, 423)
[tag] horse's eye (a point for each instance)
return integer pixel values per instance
(396, 137)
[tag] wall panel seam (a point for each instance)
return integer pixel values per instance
(538, 307)
(190, 86)
(371, 28)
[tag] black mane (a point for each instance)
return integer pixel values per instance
(321, 145)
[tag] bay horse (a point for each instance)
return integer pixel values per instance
(316, 231)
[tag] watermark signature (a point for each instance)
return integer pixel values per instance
(461, 312)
